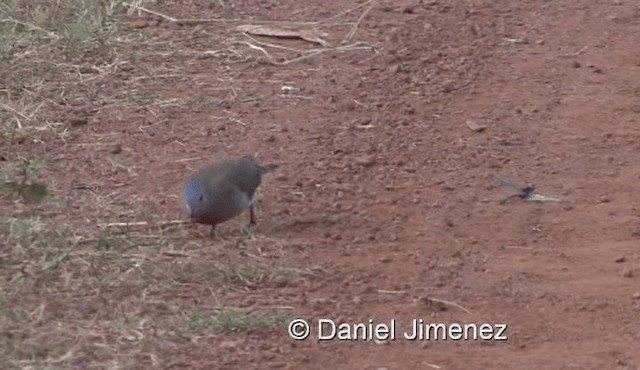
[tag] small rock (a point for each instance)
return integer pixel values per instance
(576, 64)
(620, 259)
(604, 199)
(448, 86)
(407, 10)
(595, 69)
(628, 273)
(475, 127)
(77, 121)
(271, 138)
(366, 160)
(139, 24)
(636, 295)
(228, 344)
(396, 68)
(364, 122)
(117, 149)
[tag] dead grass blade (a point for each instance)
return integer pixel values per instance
(310, 35)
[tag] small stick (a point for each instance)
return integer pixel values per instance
(382, 291)
(576, 53)
(517, 247)
(254, 47)
(33, 27)
(314, 52)
(450, 304)
(225, 20)
(241, 308)
(175, 254)
(143, 9)
(211, 20)
(272, 45)
(356, 25)
(145, 223)
(344, 12)
(12, 110)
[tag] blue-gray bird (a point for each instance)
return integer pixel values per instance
(218, 192)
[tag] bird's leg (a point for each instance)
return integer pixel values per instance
(212, 232)
(250, 228)
(252, 216)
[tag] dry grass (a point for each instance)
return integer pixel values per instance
(66, 303)
(123, 299)
(52, 53)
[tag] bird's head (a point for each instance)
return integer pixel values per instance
(194, 197)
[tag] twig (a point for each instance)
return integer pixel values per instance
(450, 304)
(33, 27)
(143, 9)
(175, 254)
(289, 96)
(144, 223)
(10, 109)
(254, 47)
(345, 12)
(356, 25)
(141, 238)
(272, 45)
(382, 291)
(517, 247)
(226, 20)
(576, 53)
(516, 41)
(253, 308)
(211, 20)
(314, 52)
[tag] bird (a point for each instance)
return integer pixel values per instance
(220, 191)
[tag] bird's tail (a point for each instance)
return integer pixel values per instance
(269, 167)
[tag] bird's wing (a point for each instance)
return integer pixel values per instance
(246, 175)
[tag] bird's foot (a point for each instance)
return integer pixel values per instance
(212, 233)
(249, 229)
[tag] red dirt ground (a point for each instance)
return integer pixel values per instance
(383, 184)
